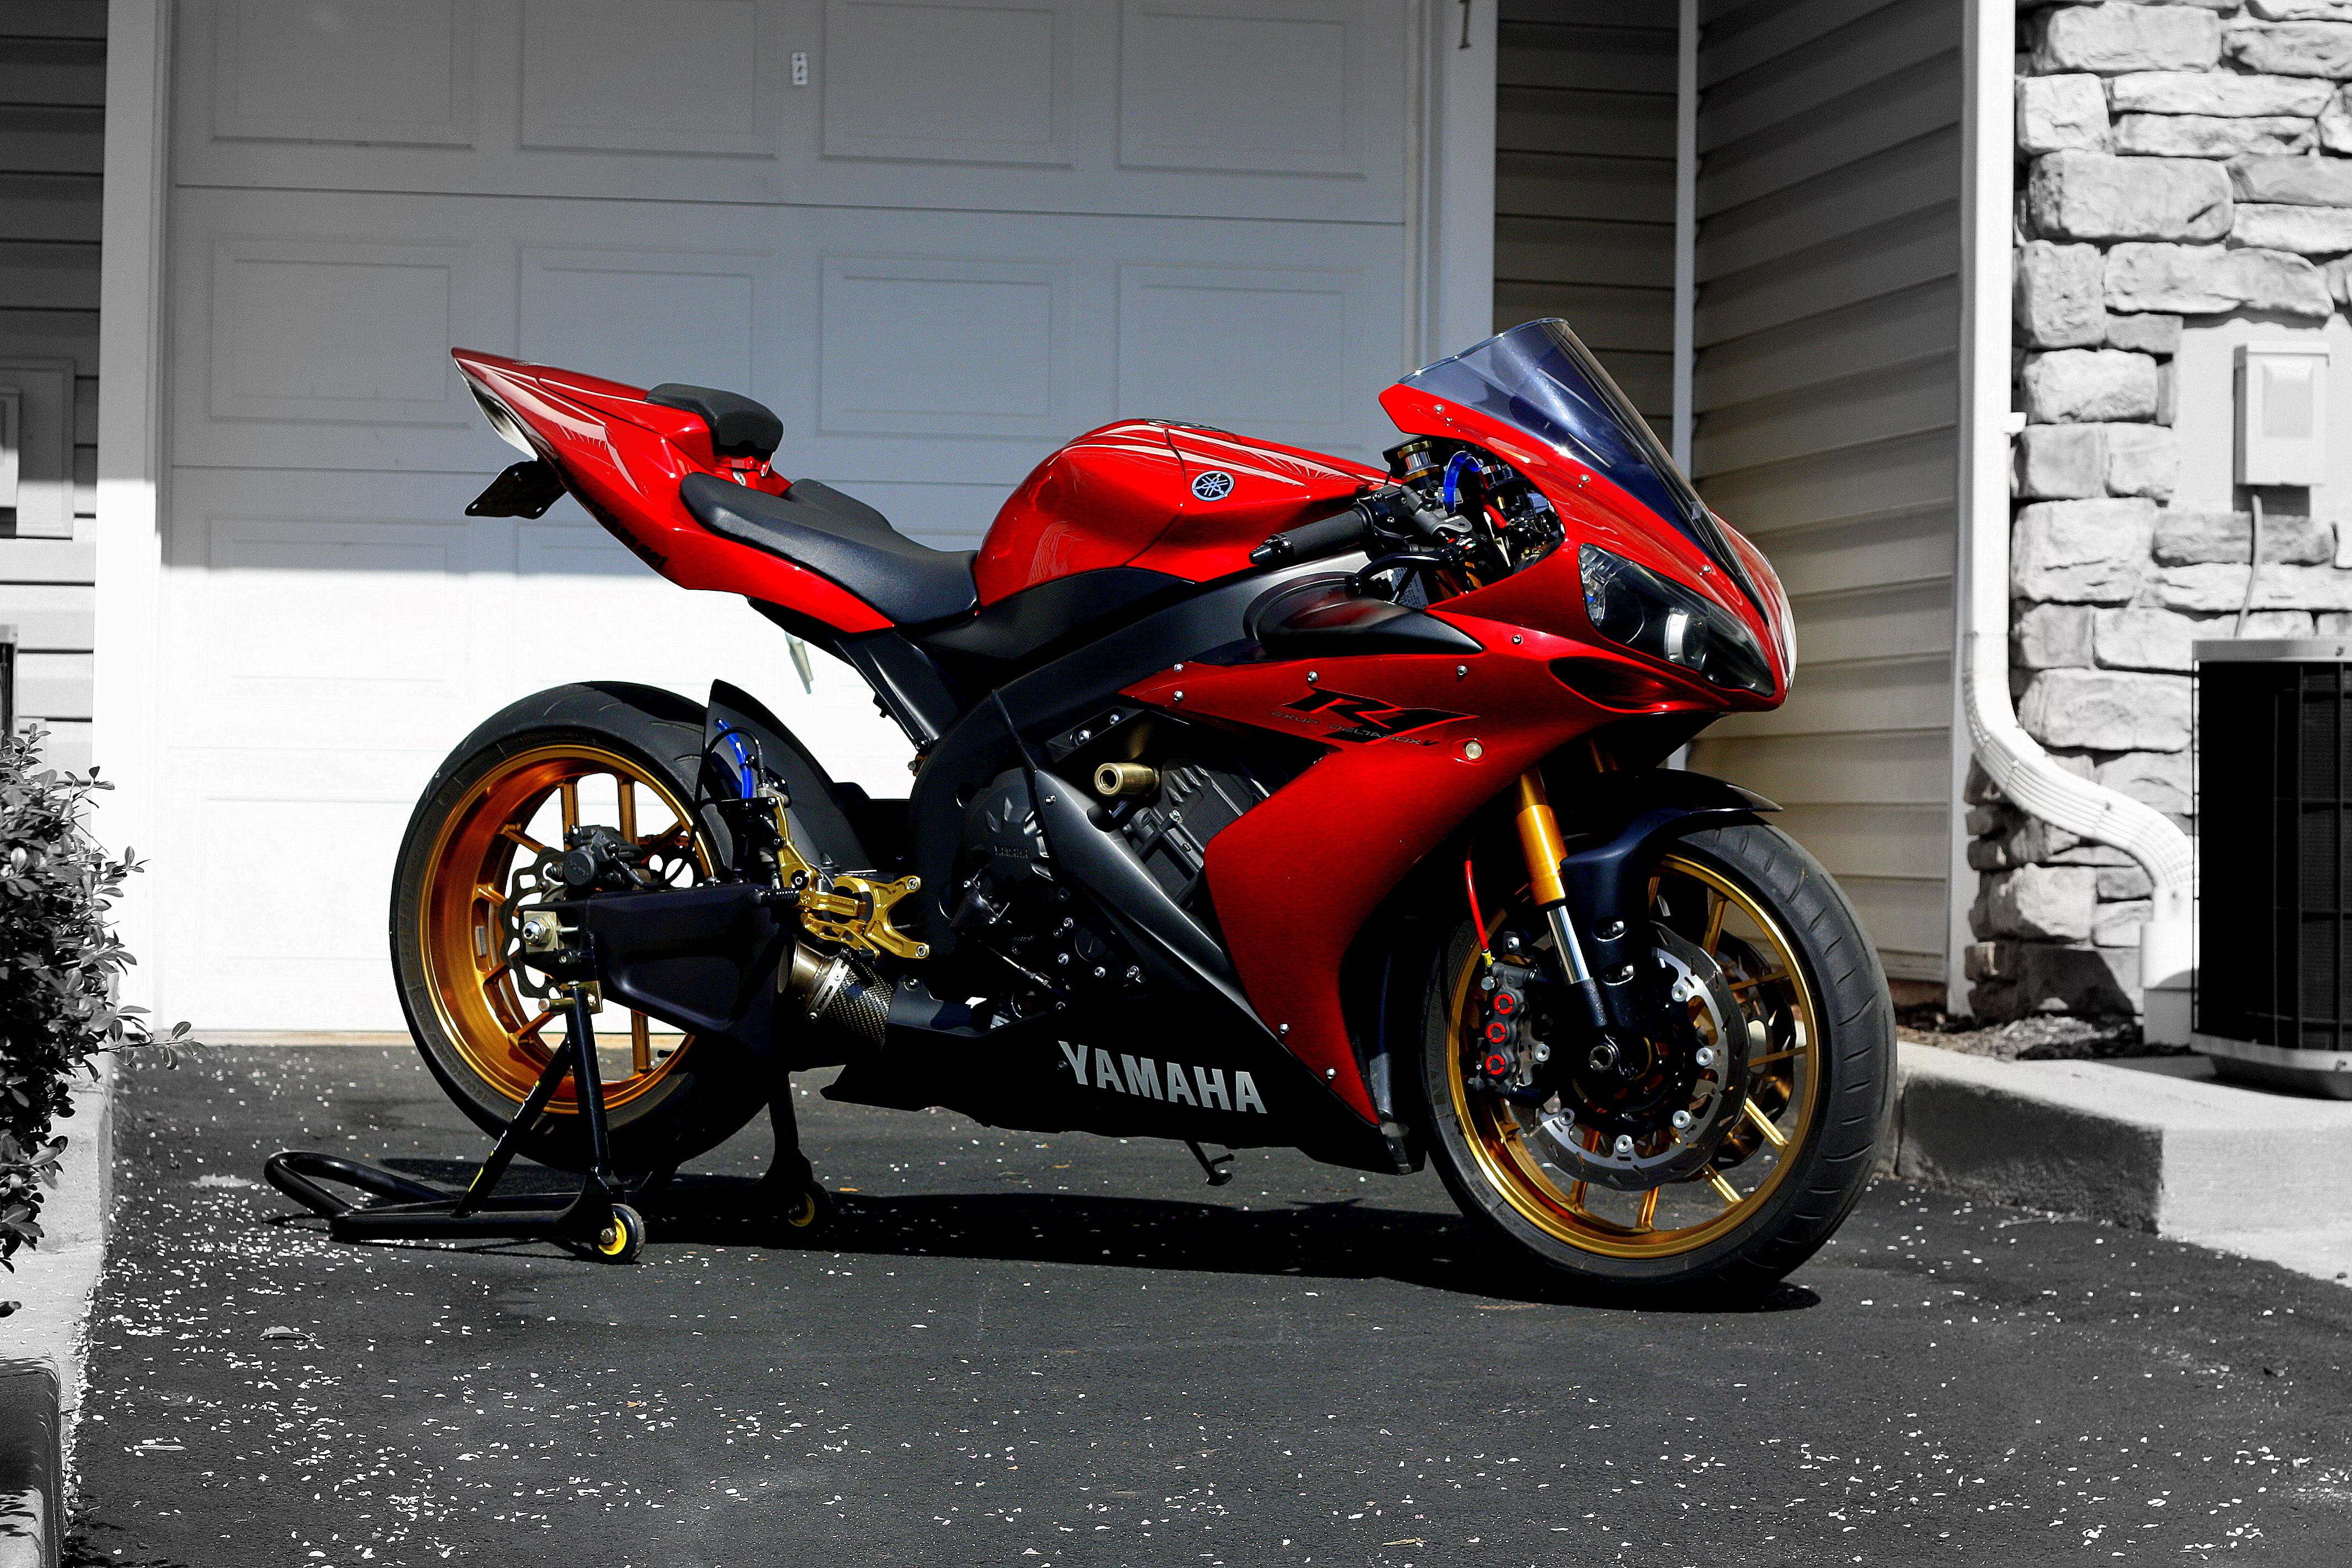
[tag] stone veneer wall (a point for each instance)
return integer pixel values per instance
(2177, 162)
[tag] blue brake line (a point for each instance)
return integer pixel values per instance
(1454, 467)
(747, 777)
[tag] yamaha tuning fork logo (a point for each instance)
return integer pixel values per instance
(1215, 485)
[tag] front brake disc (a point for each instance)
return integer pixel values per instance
(1704, 1060)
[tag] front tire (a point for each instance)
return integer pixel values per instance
(604, 753)
(1819, 1085)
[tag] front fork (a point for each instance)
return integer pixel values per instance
(1541, 842)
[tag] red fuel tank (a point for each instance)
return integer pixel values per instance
(1179, 499)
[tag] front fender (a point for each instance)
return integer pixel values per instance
(1615, 825)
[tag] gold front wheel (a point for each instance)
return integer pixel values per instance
(1721, 1149)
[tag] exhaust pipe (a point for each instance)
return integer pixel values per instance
(836, 995)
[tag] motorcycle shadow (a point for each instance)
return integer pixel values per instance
(1349, 1240)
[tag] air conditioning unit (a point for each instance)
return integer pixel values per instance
(2274, 850)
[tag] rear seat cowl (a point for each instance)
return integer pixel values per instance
(740, 426)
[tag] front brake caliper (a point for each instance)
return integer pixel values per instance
(1503, 1024)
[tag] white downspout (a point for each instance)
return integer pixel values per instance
(2026, 776)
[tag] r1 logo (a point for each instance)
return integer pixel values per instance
(1368, 717)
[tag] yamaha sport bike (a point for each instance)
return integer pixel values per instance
(1260, 798)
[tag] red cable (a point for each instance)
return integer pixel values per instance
(1470, 881)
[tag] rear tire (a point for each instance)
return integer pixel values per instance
(1820, 1049)
(450, 949)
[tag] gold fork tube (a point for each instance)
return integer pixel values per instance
(1539, 839)
(1541, 842)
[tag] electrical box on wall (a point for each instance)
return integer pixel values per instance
(2282, 413)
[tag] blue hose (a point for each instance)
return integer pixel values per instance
(1454, 467)
(747, 775)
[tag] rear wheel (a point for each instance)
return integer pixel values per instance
(480, 844)
(1785, 1013)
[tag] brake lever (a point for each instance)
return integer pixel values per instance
(1361, 582)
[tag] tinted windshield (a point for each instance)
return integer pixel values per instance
(1540, 377)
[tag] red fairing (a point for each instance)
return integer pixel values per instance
(1172, 497)
(1295, 880)
(624, 458)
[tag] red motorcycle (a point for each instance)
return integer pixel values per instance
(1260, 798)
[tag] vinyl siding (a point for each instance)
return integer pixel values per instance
(52, 145)
(1584, 181)
(1826, 389)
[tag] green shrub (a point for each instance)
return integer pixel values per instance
(60, 969)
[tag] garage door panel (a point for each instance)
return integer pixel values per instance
(295, 836)
(331, 611)
(1049, 106)
(899, 84)
(303, 333)
(647, 316)
(1259, 87)
(328, 613)
(935, 346)
(929, 347)
(383, 73)
(1261, 350)
(274, 916)
(620, 76)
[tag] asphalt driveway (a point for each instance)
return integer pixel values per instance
(1066, 1351)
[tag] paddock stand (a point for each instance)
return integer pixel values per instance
(594, 1220)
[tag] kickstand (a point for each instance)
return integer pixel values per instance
(1213, 1169)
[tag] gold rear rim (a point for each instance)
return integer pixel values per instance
(484, 861)
(1783, 1089)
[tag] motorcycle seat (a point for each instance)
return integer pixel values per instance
(817, 526)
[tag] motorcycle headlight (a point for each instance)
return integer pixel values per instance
(501, 422)
(1658, 617)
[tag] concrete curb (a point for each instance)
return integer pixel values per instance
(41, 1344)
(2241, 1169)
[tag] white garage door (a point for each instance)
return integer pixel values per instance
(936, 236)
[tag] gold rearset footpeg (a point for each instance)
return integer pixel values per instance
(852, 911)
